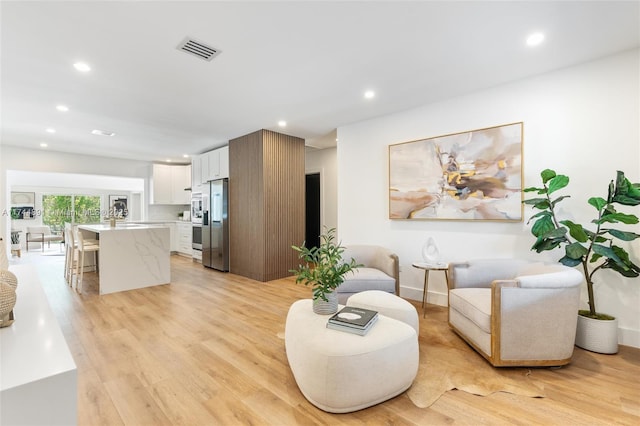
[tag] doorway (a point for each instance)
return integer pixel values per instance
(312, 210)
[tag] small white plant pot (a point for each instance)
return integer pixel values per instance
(597, 335)
(329, 307)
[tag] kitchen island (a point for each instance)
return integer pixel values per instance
(131, 255)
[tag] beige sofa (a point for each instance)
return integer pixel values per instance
(41, 234)
(515, 312)
(381, 271)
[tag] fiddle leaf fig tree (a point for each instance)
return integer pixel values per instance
(323, 267)
(593, 249)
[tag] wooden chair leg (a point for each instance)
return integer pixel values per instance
(81, 266)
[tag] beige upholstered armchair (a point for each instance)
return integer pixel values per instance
(381, 271)
(515, 312)
(41, 234)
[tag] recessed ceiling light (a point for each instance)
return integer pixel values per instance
(43, 145)
(82, 67)
(50, 130)
(168, 160)
(62, 108)
(102, 133)
(535, 39)
(185, 155)
(282, 123)
(369, 94)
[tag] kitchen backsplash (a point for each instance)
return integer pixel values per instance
(166, 212)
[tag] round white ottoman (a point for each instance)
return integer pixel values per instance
(388, 305)
(341, 372)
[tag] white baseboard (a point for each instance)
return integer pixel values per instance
(628, 337)
(440, 299)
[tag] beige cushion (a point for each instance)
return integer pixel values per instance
(367, 279)
(474, 304)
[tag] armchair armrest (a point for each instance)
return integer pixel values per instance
(41, 239)
(524, 316)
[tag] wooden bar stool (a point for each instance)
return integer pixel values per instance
(83, 247)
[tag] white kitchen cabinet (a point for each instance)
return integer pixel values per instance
(184, 236)
(204, 168)
(224, 163)
(209, 166)
(196, 174)
(213, 158)
(162, 186)
(169, 183)
(180, 181)
(173, 240)
(218, 162)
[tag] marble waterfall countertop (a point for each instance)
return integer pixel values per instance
(131, 255)
(120, 226)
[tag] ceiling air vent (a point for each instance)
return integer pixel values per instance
(198, 49)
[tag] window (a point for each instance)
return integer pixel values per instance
(60, 209)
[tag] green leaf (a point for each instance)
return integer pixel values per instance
(543, 244)
(547, 174)
(576, 231)
(567, 261)
(534, 189)
(538, 203)
(540, 214)
(605, 251)
(557, 200)
(557, 183)
(597, 202)
(556, 233)
(576, 251)
(626, 267)
(629, 219)
(622, 235)
(625, 192)
(543, 226)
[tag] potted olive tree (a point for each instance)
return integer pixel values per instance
(323, 268)
(592, 249)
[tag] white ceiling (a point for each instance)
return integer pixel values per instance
(308, 63)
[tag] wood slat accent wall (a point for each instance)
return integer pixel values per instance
(266, 204)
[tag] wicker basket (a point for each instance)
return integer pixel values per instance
(8, 285)
(7, 302)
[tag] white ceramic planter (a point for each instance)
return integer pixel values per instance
(326, 308)
(597, 335)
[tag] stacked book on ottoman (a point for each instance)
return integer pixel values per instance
(353, 320)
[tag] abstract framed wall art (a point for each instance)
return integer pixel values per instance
(23, 205)
(473, 175)
(119, 205)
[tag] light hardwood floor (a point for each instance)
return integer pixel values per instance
(208, 350)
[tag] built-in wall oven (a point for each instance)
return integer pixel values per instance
(196, 237)
(197, 212)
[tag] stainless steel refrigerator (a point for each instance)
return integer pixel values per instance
(215, 227)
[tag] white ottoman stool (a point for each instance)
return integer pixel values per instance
(341, 372)
(388, 305)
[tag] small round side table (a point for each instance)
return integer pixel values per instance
(428, 267)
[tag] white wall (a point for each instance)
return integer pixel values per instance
(582, 121)
(87, 172)
(324, 161)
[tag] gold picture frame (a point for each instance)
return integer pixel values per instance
(472, 175)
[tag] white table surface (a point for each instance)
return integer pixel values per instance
(33, 347)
